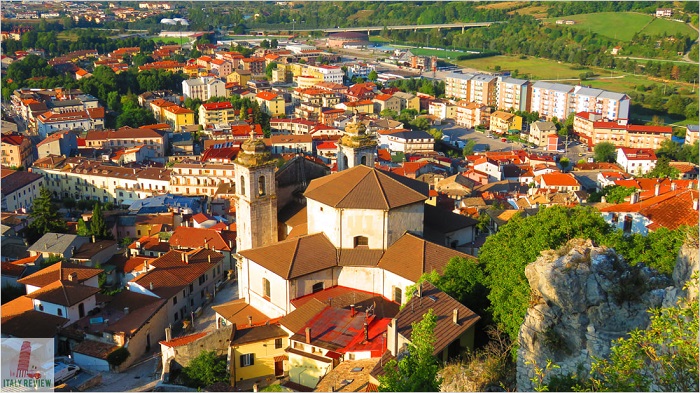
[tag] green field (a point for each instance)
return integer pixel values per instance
(529, 68)
(169, 40)
(67, 36)
(623, 25)
(441, 54)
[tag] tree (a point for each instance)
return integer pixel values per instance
(372, 75)
(274, 43)
(417, 370)
(505, 254)
(269, 68)
(663, 357)
(135, 117)
(206, 369)
(46, 217)
(663, 169)
(612, 194)
(604, 152)
(82, 228)
(265, 44)
(564, 162)
(388, 113)
(469, 148)
(98, 227)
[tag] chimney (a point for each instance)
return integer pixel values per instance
(209, 258)
(250, 320)
(603, 200)
(634, 198)
(151, 285)
(695, 204)
(93, 238)
(168, 334)
(308, 335)
(673, 186)
(352, 310)
(366, 332)
(657, 187)
(73, 277)
(145, 266)
(455, 316)
(138, 245)
(182, 256)
(187, 258)
(126, 310)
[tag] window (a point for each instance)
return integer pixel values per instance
(191, 288)
(174, 300)
(176, 317)
(81, 310)
(361, 241)
(41, 307)
(627, 225)
(247, 360)
(261, 186)
(363, 160)
(318, 287)
(398, 295)
(615, 217)
(278, 343)
(266, 288)
(242, 185)
(59, 312)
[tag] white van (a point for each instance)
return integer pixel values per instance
(63, 372)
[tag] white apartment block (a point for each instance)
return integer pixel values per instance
(608, 104)
(196, 178)
(551, 100)
(513, 94)
(203, 88)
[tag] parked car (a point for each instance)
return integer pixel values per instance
(63, 372)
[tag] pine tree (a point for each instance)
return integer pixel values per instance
(46, 217)
(82, 228)
(98, 227)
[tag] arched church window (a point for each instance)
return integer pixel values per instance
(361, 241)
(363, 160)
(261, 186)
(242, 185)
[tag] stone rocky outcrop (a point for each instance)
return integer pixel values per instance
(584, 297)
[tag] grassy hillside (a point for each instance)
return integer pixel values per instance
(623, 26)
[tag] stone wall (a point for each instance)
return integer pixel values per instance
(217, 341)
(583, 297)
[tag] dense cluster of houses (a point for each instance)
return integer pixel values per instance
(326, 225)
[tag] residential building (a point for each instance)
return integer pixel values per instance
(281, 144)
(502, 122)
(622, 134)
(635, 161)
(325, 73)
(257, 354)
(457, 86)
(203, 88)
(222, 241)
(184, 279)
(270, 103)
(256, 65)
(408, 101)
(127, 137)
(513, 94)
(691, 133)
(540, 131)
(61, 245)
(670, 210)
(62, 143)
(482, 89)
(221, 67)
(664, 12)
(177, 117)
(158, 106)
(442, 109)
(192, 178)
(50, 122)
(386, 101)
(472, 114)
(558, 181)
(406, 141)
(19, 189)
(216, 113)
(241, 77)
(551, 99)
(17, 151)
(608, 104)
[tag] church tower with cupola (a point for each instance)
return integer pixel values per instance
(356, 147)
(256, 198)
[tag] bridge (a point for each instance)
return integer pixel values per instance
(369, 29)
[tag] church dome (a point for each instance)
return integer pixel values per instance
(253, 153)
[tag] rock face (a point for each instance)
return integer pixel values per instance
(583, 297)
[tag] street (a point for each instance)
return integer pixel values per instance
(207, 320)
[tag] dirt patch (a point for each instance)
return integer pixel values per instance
(362, 14)
(501, 5)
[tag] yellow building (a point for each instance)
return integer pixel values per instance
(270, 103)
(364, 106)
(239, 76)
(178, 116)
(502, 122)
(306, 81)
(257, 355)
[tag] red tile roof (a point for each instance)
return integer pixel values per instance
(180, 341)
(59, 271)
(218, 105)
(267, 95)
(556, 179)
(178, 110)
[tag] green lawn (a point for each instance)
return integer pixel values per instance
(169, 40)
(623, 25)
(442, 54)
(67, 36)
(660, 26)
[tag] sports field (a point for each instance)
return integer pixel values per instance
(528, 68)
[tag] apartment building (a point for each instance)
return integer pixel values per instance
(591, 130)
(177, 117)
(50, 122)
(216, 113)
(502, 122)
(270, 103)
(540, 132)
(551, 99)
(608, 104)
(19, 189)
(17, 151)
(256, 65)
(196, 178)
(472, 114)
(442, 109)
(62, 143)
(203, 88)
(79, 178)
(457, 86)
(513, 94)
(482, 89)
(127, 137)
(325, 73)
(386, 101)
(635, 161)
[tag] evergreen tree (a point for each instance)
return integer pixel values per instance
(46, 217)
(98, 227)
(82, 229)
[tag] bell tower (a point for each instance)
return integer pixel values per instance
(256, 198)
(356, 147)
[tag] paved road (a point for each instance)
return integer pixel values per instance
(139, 378)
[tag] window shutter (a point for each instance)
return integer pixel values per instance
(252, 358)
(242, 360)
